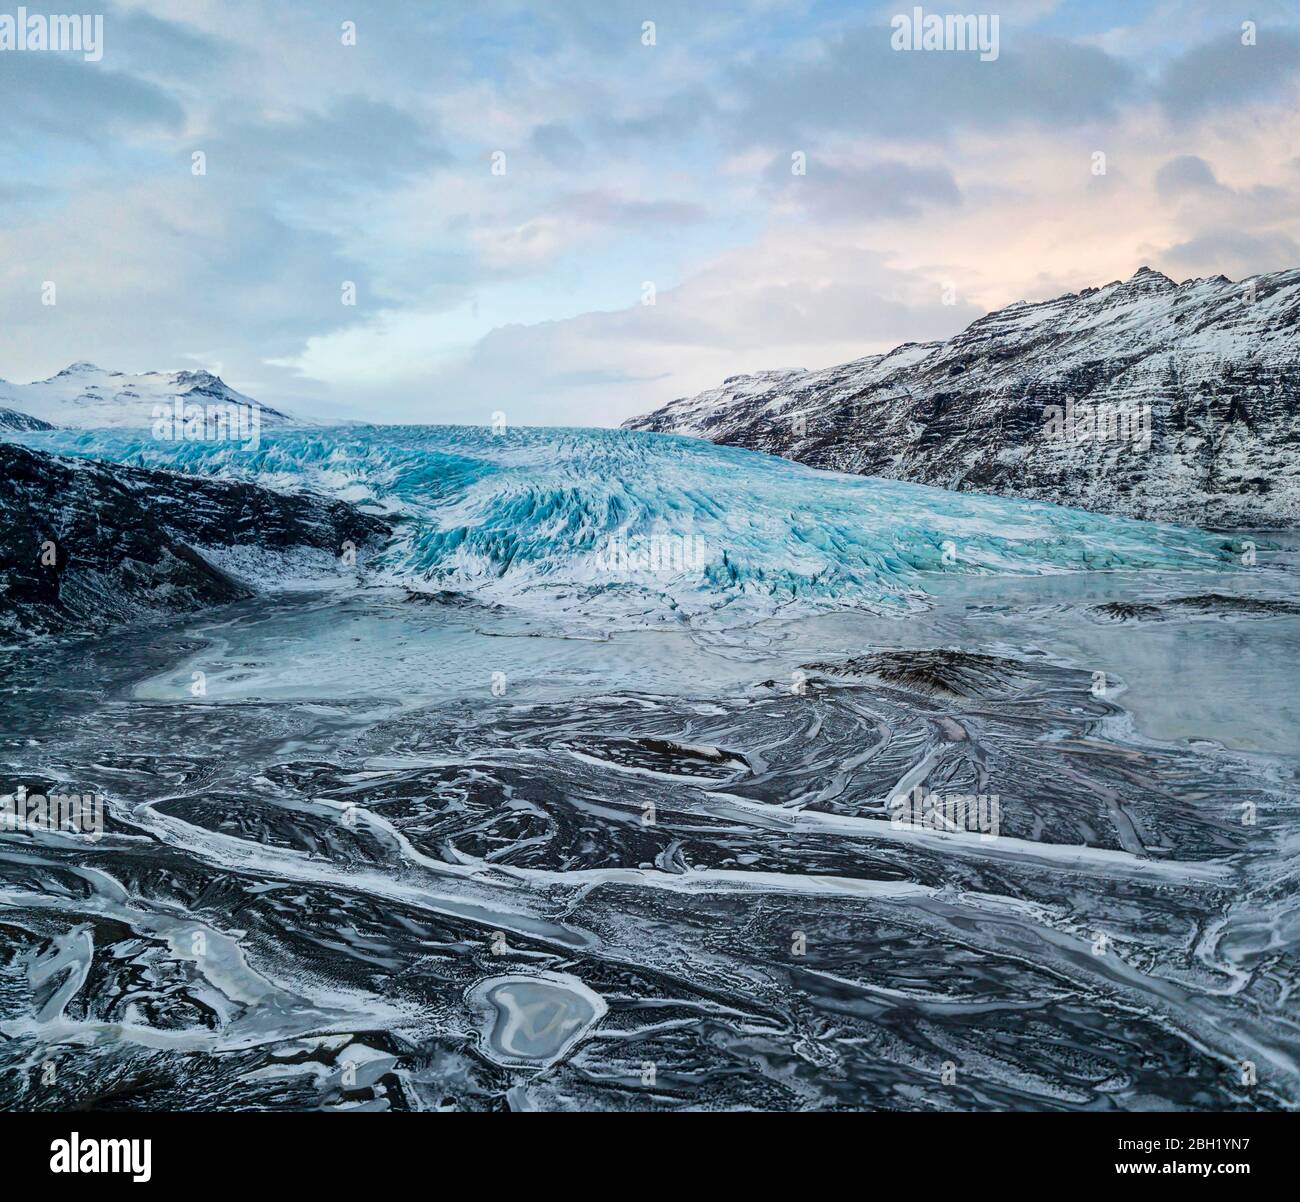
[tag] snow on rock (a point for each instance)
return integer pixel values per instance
(83, 396)
(1211, 365)
(85, 546)
(11, 419)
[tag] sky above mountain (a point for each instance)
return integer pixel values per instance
(505, 185)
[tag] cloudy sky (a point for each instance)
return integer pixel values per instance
(626, 165)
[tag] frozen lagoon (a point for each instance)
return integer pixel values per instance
(1214, 672)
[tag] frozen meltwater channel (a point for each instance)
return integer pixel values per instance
(495, 825)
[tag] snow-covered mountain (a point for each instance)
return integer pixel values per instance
(83, 396)
(1175, 402)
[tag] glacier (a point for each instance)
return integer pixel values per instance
(555, 520)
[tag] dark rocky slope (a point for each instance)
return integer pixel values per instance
(85, 545)
(11, 419)
(1212, 368)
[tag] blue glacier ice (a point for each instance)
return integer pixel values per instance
(656, 528)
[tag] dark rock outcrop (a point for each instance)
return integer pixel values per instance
(1203, 605)
(85, 545)
(941, 672)
(11, 419)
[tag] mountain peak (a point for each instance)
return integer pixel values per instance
(1144, 279)
(84, 396)
(202, 376)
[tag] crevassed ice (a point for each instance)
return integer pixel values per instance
(660, 526)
